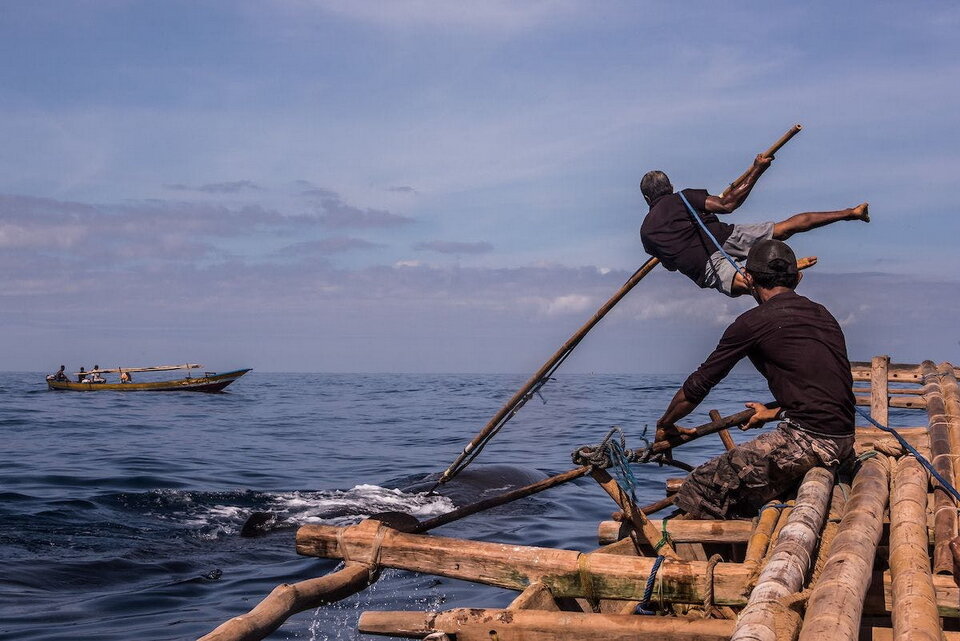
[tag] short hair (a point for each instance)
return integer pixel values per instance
(655, 184)
(769, 280)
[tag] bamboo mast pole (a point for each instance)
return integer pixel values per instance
(836, 603)
(786, 571)
(945, 508)
(914, 608)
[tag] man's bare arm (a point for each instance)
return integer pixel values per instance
(678, 408)
(735, 197)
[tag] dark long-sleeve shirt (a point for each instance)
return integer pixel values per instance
(799, 348)
(669, 233)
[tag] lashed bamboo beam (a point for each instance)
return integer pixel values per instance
(565, 572)
(633, 514)
(903, 402)
(760, 538)
(288, 599)
(684, 531)
(786, 571)
(951, 401)
(945, 509)
(483, 625)
(879, 395)
(836, 603)
(914, 607)
(899, 372)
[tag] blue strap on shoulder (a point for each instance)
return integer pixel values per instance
(706, 230)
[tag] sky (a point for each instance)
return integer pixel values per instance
(438, 186)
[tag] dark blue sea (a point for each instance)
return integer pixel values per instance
(120, 512)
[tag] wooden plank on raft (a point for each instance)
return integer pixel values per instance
(785, 572)
(914, 607)
(836, 603)
(879, 395)
(565, 572)
(945, 509)
(476, 624)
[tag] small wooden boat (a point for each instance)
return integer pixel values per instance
(94, 382)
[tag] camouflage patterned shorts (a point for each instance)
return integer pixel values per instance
(738, 483)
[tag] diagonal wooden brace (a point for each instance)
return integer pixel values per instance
(634, 515)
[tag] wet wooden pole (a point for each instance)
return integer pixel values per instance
(786, 571)
(836, 603)
(945, 508)
(914, 608)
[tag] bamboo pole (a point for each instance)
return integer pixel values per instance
(687, 531)
(914, 607)
(786, 571)
(951, 401)
(565, 572)
(761, 536)
(836, 603)
(520, 398)
(879, 400)
(506, 497)
(475, 624)
(634, 515)
(945, 510)
(728, 443)
(784, 139)
(288, 599)
(903, 402)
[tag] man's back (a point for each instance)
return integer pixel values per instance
(669, 233)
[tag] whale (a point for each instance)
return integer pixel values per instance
(474, 484)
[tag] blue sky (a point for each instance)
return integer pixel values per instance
(446, 186)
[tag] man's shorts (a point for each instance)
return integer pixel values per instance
(720, 273)
(736, 484)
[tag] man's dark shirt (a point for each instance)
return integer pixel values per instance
(669, 233)
(799, 348)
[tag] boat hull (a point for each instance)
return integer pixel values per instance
(213, 383)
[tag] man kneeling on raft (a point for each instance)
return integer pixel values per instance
(797, 345)
(670, 233)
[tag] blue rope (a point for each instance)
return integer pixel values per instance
(648, 590)
(944, 483)
(709, 234)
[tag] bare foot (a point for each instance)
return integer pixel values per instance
(809, 261)
(861, 212)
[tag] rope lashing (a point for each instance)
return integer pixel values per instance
(708, 592)
(944, 483)
(665, 536)
(643, 607)
(706, 230)
(603, 457)
(775, 505)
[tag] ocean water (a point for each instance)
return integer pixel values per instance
(120, 513)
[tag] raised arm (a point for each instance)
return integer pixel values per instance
(734, 197)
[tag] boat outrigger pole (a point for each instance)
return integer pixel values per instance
(540, 378)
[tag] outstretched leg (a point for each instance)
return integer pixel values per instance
(811, 220)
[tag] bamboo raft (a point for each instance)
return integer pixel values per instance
(870, 556)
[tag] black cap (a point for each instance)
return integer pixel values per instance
(771, 257)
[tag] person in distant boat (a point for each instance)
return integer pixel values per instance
(94, 376)
(61, 375)
(81, 375)
(670, 233)
(125, 377)
(798, 346)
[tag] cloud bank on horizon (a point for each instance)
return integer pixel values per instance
(435, 186)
